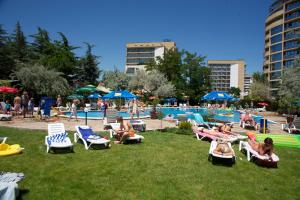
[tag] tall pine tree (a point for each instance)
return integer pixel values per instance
(7, 63)
(18, 43)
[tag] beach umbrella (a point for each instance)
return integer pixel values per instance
(6, 89)
(75, 96)
(122, 94)
(94, 96)
(86, 89)
(103, 89)
(217, 96)
(263, 104)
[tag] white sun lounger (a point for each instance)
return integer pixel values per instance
(269, 161)
(89, 138)
(212, 155)
(57, 137)
(116, 126)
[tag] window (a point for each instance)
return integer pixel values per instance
(138, 61)
(292, 15)
(291, 35)
(276, 39)
(140, 55)
(289, 63)
(275, 75)
(277, 29)
(150, 49)
(276, 47)
(130, 70)
(292, 6)
(274, 84)
(291, 44)
(276, 66)
(291, 54)
(276, 57)
(292, 25)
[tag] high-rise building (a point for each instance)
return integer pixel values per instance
(282, 36)
(226, 74)
(247, 84)
(141, 53)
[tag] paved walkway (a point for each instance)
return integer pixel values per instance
(97, 125)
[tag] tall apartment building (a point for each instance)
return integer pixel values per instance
(282, 36)
(139, 54)
(247, 84)
(226, 74)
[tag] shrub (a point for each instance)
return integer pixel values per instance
(185, 128)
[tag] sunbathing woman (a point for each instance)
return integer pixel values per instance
(124, 132)
(223, 149)
(214, 131)
(262, 148)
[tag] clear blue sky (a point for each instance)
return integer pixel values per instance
(217, 29)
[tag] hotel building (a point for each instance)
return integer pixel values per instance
(141, 53)
(282, 36)
(247, 84)
(226, 74)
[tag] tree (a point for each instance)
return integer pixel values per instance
(115, 79)
(259, 91)
(19, 46)
(289, 90)
(42, 81)
(7, 63)
(153, 83)
(89, 65)
(235, 92)
(259, 77)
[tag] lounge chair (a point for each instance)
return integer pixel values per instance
(9, 185)
(88, 137)
(292, 125)
(116, 126)
(138, 125)
(57, 137)
(200, 135)
(246, 124)
(3, 139)
(213, 157)
(111, 117)
(265, 160)
(5, 117)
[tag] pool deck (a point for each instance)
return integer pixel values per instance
(97, 125)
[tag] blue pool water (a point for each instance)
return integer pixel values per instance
(222, 115)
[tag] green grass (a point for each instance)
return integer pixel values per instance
(164, 166)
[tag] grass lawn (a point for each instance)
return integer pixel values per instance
(164, 166)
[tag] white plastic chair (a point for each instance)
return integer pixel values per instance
(54, 130)
(91, 140)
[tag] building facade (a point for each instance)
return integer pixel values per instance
(139, 54)
(226, 74)
(247, 84)
(282, 36)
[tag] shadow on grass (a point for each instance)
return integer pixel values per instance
(22, 192)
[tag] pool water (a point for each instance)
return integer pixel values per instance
(222, 115)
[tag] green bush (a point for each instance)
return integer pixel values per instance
(185, 128)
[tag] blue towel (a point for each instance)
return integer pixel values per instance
(58, 138)
(88, 133)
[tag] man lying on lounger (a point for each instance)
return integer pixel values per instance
(223, 149)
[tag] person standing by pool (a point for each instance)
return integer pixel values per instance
(31, 106)
(135, 109)
(105, 106)
(24, 103)
(58, 101)
(74, 109)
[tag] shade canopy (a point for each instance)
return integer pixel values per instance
(75, 96)
(171, 99)
(217, 96)
(263, 104)
(123, 94)
(103, 89)
(94, 96)
(86, 89)
(6, 89)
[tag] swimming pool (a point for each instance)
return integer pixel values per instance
(221, 115)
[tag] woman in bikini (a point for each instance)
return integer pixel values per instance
(262, 148)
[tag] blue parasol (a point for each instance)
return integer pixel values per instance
(217, 96)
(123, 94)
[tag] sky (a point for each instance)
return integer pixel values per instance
(216, 29)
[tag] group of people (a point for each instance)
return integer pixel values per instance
(224, 132)
(21, 105)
